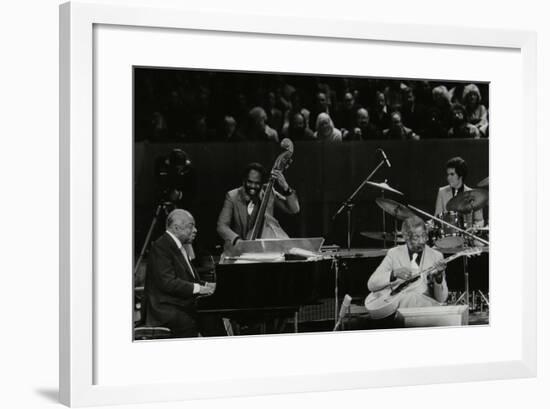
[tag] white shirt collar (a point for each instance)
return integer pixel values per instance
(176, 240)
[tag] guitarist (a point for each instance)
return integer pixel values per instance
(404, 261)
(237, 215)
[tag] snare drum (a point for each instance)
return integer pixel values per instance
(448, 237)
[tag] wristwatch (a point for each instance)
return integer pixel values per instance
(288, 192)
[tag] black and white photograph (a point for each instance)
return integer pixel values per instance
(287, 203)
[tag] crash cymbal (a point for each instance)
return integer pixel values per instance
(394, 208)
(380, 235)
(469, 200)
(385, 186)
(484, 182)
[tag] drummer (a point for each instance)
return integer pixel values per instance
(457, 170)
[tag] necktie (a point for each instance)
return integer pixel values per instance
(414, 265)
(184, 253)
(250, 207)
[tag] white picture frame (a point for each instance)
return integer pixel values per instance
(78, 386)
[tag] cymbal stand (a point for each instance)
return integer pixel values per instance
(383, 221)
(336, 268)
(348, 203)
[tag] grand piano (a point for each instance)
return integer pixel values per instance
(262, 280)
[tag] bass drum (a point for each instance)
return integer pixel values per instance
(447, 237)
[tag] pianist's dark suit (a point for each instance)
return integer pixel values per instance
(169, 299)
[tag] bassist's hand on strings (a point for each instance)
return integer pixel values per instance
(280, 178)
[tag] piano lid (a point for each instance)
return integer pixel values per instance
(272, 247)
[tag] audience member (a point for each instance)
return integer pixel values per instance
(398, 131)
(320, 106)
(297, 130)
(229, 131)
(274, 114)
(413, 113)
(259, 130)
(363, 129)
(345, 115)
(459, 127)
(380, 116)
(296, 106)
(325, 131)
(440, 113)
(476, 113)
(201, 131)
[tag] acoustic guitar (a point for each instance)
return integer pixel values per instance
(384, 302)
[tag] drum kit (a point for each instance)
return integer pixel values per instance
(452, 229)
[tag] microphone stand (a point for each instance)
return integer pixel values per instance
(348, 203)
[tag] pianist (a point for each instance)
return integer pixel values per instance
(235, 219)
(172, 284)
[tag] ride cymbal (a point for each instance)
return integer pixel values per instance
(394, 208)
(385, 186)
(468, 201)
(484, 182)
(380, 235)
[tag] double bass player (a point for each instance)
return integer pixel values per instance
(241, 206)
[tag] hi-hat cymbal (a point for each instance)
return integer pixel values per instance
(469, 200)
(484, 182)
(380, 235)
(385, 186)
(394, 208)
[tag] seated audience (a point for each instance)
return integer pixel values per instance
(440, 113)
(414, 113)
(345, 115)
(229, 131)
(259, 130)
(476, 113)
(321, 105)
(363, 129)
(297, 129)
(459, 127)
(325, 131)
(274, 114)
(379, 114)
(398, 131)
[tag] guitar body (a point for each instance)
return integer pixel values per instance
(381, 304)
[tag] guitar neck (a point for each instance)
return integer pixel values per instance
(430, 269)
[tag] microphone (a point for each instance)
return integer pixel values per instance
(343, 311)
(385, 157)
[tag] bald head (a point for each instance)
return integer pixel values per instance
(182, 225)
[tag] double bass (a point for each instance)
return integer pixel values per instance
(282, 162)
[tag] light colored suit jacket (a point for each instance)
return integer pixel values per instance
(445, 194)
(233, 220)
(399, 257)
